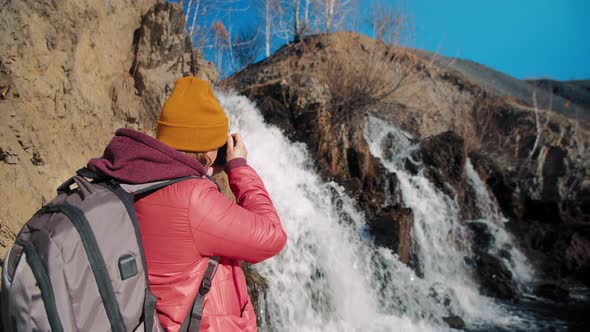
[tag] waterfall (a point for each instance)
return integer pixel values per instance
(330, 276)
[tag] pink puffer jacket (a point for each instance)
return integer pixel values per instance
(189, 221)
(185, 223)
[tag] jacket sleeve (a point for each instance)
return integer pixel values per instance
(249, 230)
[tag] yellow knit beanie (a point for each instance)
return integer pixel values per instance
(192, 119)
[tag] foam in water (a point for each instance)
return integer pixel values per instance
(330, 276)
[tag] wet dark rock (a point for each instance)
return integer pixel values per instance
(393, 229)
(577, 255)
(482, 238)
(444, 156)
(495, 278)
(501, 182)
(553, 169)
(455, 322)
(505, 253)
(552, 292)
(562, 252)
(545, 211)
(257, 288)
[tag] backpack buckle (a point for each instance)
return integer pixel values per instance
(205, 286)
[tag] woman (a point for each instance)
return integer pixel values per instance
(184, 224)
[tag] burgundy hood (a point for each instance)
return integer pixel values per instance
(133, 157)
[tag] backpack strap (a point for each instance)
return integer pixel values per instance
(192, 321)
(145, 188)
(42, 278)
(85, 172)
(96, 260)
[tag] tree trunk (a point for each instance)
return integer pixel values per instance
(195, 14)
(267, 27)
(297, 32)
(188, 10)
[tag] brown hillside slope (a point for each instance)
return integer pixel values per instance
(71, 73)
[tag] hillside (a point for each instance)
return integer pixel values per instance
(577, 92)
(569, 98)
(322, 90)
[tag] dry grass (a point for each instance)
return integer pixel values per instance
(378, 78)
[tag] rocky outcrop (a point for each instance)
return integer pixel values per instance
(534, 161)
(543, 190)
(67, 83)
(161, 42)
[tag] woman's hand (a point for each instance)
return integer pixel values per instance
(236, 147)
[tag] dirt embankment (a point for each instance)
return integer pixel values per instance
(71, 73)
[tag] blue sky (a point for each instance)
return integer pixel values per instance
(523, 38)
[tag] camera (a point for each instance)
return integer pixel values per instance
(221, 156)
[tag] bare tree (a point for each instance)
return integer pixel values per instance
(306, 13)
(301, 11)
(247, 45)
(388, 24)
(220, 44)
(329, 11)
(197, 22)
(188, 4)
(196, 12)
(332, 14)
(267, 25)
(275, 21)
(296, 20)
(539, 126)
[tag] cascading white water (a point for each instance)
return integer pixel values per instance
(330, 276)
(439, 232)
(491, 215)
(439, 236)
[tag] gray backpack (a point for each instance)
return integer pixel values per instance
(78, 263)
